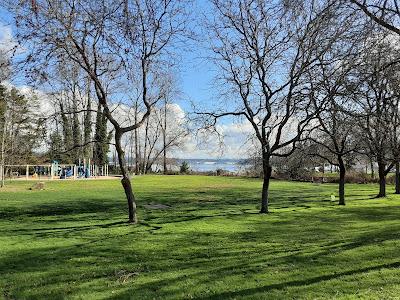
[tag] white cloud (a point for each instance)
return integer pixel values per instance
(7, 41)
(234, 143)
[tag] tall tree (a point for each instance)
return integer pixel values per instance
(264, 50)
(67, 132)
(101, 137)
(19, 127)
(336, 135)
(113, 42)
(376, 100)
(87, 125)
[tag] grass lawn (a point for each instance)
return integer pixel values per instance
(71, 241)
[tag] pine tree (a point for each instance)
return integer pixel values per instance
(67, 133)
(76, 131)
(102, 138)
(87, 127)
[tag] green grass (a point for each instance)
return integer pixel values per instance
(71, 241)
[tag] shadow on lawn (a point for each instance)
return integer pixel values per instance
(309, 281)
(62, 208)
(201, 258)
(167, 263)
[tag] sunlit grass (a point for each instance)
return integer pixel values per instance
(71, 241)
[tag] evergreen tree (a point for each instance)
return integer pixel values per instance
(76, 131)
(67, 134)
(87, 129)
(102, 138)
(56, 147)
(19, 127)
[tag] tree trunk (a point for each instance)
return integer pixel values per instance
(267, 169)
(397, 179)
(146, 132)
(165, 138)
(126, 182)
(2, 175)
(87, 131)
(342, 176)
(76, 130)
(137, 162)
(382, 180)
(3, 142)
(372, 169)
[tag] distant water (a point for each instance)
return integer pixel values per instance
(207, 165)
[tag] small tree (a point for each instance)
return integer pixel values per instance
(184, 168)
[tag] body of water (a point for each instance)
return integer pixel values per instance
(208, 165)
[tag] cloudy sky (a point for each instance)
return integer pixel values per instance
(195, 81)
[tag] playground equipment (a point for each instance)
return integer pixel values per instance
(54, 171)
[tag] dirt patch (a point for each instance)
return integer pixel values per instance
(38, 186)
(156, 206)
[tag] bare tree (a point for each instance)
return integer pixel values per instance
(336, 135)
(156, 137)
(112, 42)
(386, 13)
(377, 105)
(264, 51)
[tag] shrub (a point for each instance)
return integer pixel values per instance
(185, 168)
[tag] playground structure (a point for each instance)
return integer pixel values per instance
(54, 171)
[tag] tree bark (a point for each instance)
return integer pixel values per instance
(165, 138)
(146, 132)
(342, 176)
(125, 181)
(267, 169)
(382, 180)
(3, 141)
(372, 169)
(76, 132)
(397, 179)
(87, 131)
(137, 161)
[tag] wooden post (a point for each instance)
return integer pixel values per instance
(27, 172)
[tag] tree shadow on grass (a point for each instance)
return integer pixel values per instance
(199, 257)
(296, 283)
(63, 208)
(84, 258)
(63, 231)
